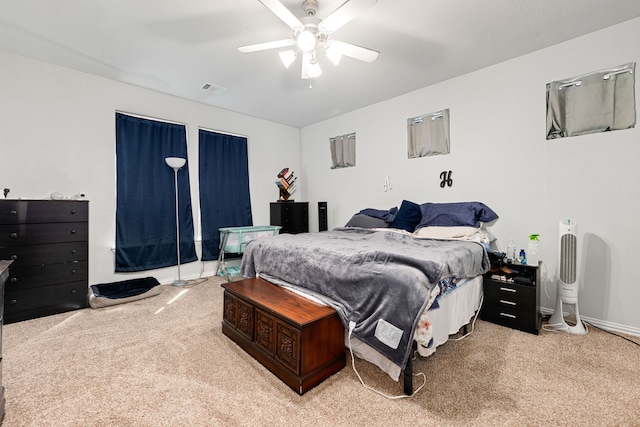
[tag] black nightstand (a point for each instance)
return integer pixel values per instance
(512, 296)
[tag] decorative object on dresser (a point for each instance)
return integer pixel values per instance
(293, 217)
(48, 242)
(298, 340)
(4, 274)
(512, 295)
(286, 183)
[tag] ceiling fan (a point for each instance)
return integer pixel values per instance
(310, 35)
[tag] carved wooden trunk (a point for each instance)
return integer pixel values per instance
(301, 342)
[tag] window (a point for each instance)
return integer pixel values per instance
(343, 151)
(428, 135)
(597, 102)
(145, 199)
(224, 187)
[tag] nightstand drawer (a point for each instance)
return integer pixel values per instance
(509, 293)
(511, 318)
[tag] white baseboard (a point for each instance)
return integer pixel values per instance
(603, 324)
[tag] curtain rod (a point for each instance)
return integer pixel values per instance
(348, 136)
(141, 116)
(223, 132)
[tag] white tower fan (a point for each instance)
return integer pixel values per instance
(567, 282)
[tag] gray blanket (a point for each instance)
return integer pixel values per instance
(379, 279)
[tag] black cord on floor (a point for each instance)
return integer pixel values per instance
(612, 333)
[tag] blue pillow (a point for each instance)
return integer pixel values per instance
(408, 216)
(468, 214)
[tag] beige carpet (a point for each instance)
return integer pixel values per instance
(164, 362)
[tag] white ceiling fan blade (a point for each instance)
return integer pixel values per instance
(284, 14)
(354, 51)
(267, 45)
(345, 13)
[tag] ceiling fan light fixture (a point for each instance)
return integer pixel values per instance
(288, 57)
(310, 67)
(334, 53)
(314, 69)
(306, 40)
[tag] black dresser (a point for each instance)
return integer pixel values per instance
(293, 217)
(47, 240)
(4, 273)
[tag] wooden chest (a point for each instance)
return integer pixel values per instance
(299, 341)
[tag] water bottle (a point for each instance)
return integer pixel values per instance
(511, 250)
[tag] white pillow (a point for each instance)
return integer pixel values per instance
(438, 232)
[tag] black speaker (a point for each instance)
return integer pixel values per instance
(322, 216)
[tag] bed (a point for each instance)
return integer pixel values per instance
(397, 279)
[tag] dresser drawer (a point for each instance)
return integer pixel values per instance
(25, 304)
(43, 275)
(37, 211)
(53, 253)
(32, 234)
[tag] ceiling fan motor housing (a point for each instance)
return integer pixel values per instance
(310, 7)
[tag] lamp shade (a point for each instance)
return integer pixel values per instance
(175, 162)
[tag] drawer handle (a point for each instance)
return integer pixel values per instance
(13, 301)
(14, 235)
(507, 302)
(73, 251)
(14, 280)
(508, 289)
(13, 213)
(511, 316)
(73, 271)
(73, 291)
(73, 212)
(73, 231)
(14, 257)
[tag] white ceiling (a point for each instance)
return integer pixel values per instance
(176, 47)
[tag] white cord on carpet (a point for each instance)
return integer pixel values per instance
(352, 326)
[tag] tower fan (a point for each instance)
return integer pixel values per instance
(567, 282)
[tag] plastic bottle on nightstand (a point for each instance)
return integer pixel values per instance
(511, 250)
(533, 250)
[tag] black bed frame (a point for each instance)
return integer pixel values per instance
(408, 370)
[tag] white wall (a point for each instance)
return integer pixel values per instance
(57, 133)
(499, 155)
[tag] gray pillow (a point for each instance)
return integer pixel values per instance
(366, 221)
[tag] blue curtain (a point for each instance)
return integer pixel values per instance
(224, 187)
(145, 200)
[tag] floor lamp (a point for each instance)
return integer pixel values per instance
(176, 163)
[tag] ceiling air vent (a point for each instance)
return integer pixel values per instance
(217, 90)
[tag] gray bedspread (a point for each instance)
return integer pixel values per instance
(379, 279)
